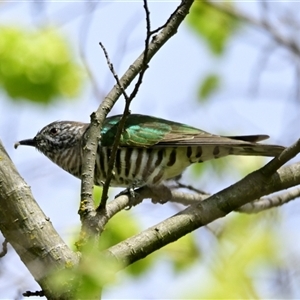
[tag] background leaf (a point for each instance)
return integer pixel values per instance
(210, 85)
(37, 65)
(212, 25)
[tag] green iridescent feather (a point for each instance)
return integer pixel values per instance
(146, 131)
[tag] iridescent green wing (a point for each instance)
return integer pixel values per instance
(146, 131)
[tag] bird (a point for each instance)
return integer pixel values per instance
(151, 150)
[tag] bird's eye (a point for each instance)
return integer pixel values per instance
(53, 131)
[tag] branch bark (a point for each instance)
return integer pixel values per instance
(218, 205)
(29, 231)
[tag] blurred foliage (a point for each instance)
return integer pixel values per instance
(210, 85)
(215, 28)
(93, 272)
(97, 194)
(182, 254)
(247, 248)
(212, 25)
(120, 227)
(37, 65)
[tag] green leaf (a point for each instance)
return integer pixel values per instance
(119, 228)
(210, 85)
(97, 194)
(94, 271)
(212, 24)
(37, 65)
(115, 232)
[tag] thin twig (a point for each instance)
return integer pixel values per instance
(191, 188)
(111, 161)
(286, 155)
(164, 25)
(112, 69)
(270, 202)
(290, 44)
(126, 112)
(32, 294)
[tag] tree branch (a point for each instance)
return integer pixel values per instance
(290, 44)
(219, 205)
(29, 231)
(270, 202)
(286, 155)
(126, 112)
(87, 213)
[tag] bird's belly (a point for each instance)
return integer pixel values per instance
(137, 167)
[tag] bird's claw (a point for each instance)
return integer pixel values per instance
(132, 192)
(133, 196)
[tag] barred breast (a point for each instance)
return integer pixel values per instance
(135, 167)
(150, 166)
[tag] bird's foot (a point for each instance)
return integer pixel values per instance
(160, 194)
(133, 195)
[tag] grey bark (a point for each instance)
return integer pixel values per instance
(28, 230)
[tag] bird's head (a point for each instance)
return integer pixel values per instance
(56, 137)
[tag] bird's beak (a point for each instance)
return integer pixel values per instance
(29, 142)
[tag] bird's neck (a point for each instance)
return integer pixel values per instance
(70, 159)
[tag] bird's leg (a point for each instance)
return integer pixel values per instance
(158, 194)
(129, 190)
(132, 193)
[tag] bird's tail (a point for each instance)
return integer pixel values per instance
(256, 149)
(200, 153)
(204, 147)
